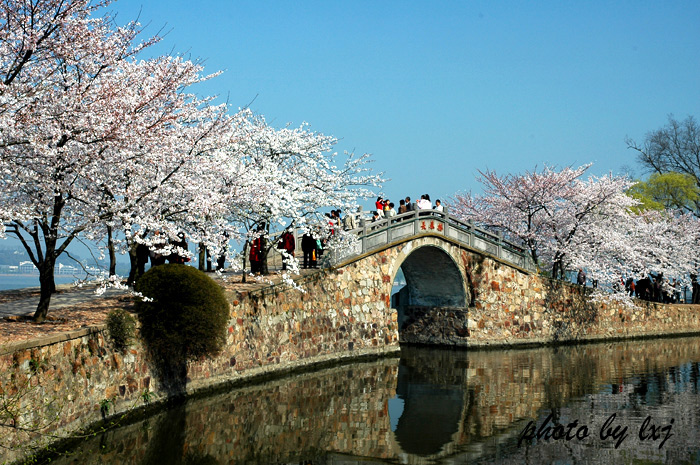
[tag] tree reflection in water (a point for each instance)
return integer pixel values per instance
(432, 406)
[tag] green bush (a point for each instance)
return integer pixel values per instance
(188, 316)
(122, 328)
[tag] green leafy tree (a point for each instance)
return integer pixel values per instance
(674, 148)
(675, 191)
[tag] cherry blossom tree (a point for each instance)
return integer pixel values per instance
(298, 176)
(639, 244)
(203, 198)
(164, 179)
(95, 141)
(53, 57)
(584, 206)
(568, 223)
(519, 206)
(90, 134)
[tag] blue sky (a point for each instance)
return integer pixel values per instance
(438, 90)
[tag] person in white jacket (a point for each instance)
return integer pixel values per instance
(424, 203)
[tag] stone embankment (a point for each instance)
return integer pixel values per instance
(62, 384)
(511, 307)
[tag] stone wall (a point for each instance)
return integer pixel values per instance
(279, 422)
(60, 385)
(512, 307)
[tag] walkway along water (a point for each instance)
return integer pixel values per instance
(455, 294)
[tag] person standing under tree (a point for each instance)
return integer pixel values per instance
(255, 255)
(181, 243)
(288, 244)
(308, 247)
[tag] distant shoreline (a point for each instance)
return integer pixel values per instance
(23, 275)
(13, 281)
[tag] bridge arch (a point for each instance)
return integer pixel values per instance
(433, 279)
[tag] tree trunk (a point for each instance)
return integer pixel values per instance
(112, 253)
(52, 284)
(244, 255)
(202, 257)
(46, 281)
(556, 270)
(263, 253)
(133, 264)
(533, 254)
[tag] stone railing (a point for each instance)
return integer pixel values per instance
(374, 235)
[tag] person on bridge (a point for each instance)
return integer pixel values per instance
(402, 207)
(424, 203)
(379, 206)
(349, 222)
(410, 206)
(386, 208)
(438, 205)
(390, 211)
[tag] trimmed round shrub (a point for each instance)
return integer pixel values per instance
(122, 328)
(188, 316)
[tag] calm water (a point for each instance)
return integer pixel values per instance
(440, 407)
(21, 281)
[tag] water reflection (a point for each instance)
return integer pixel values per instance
(433, 403)
(435, 406)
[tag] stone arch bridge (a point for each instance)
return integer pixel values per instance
(464, 287)
(443, 260)
(450, 267)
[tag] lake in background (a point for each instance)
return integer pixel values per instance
(21, 281)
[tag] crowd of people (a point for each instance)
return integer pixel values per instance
(384, 208)
(314, 243)
(657, 288)
(653, 288)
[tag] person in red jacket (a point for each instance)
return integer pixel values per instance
(256, 255)
(379, 204)
(288, 244)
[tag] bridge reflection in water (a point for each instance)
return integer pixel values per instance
(453, 407)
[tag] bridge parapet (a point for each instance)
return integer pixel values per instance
(375, 235)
